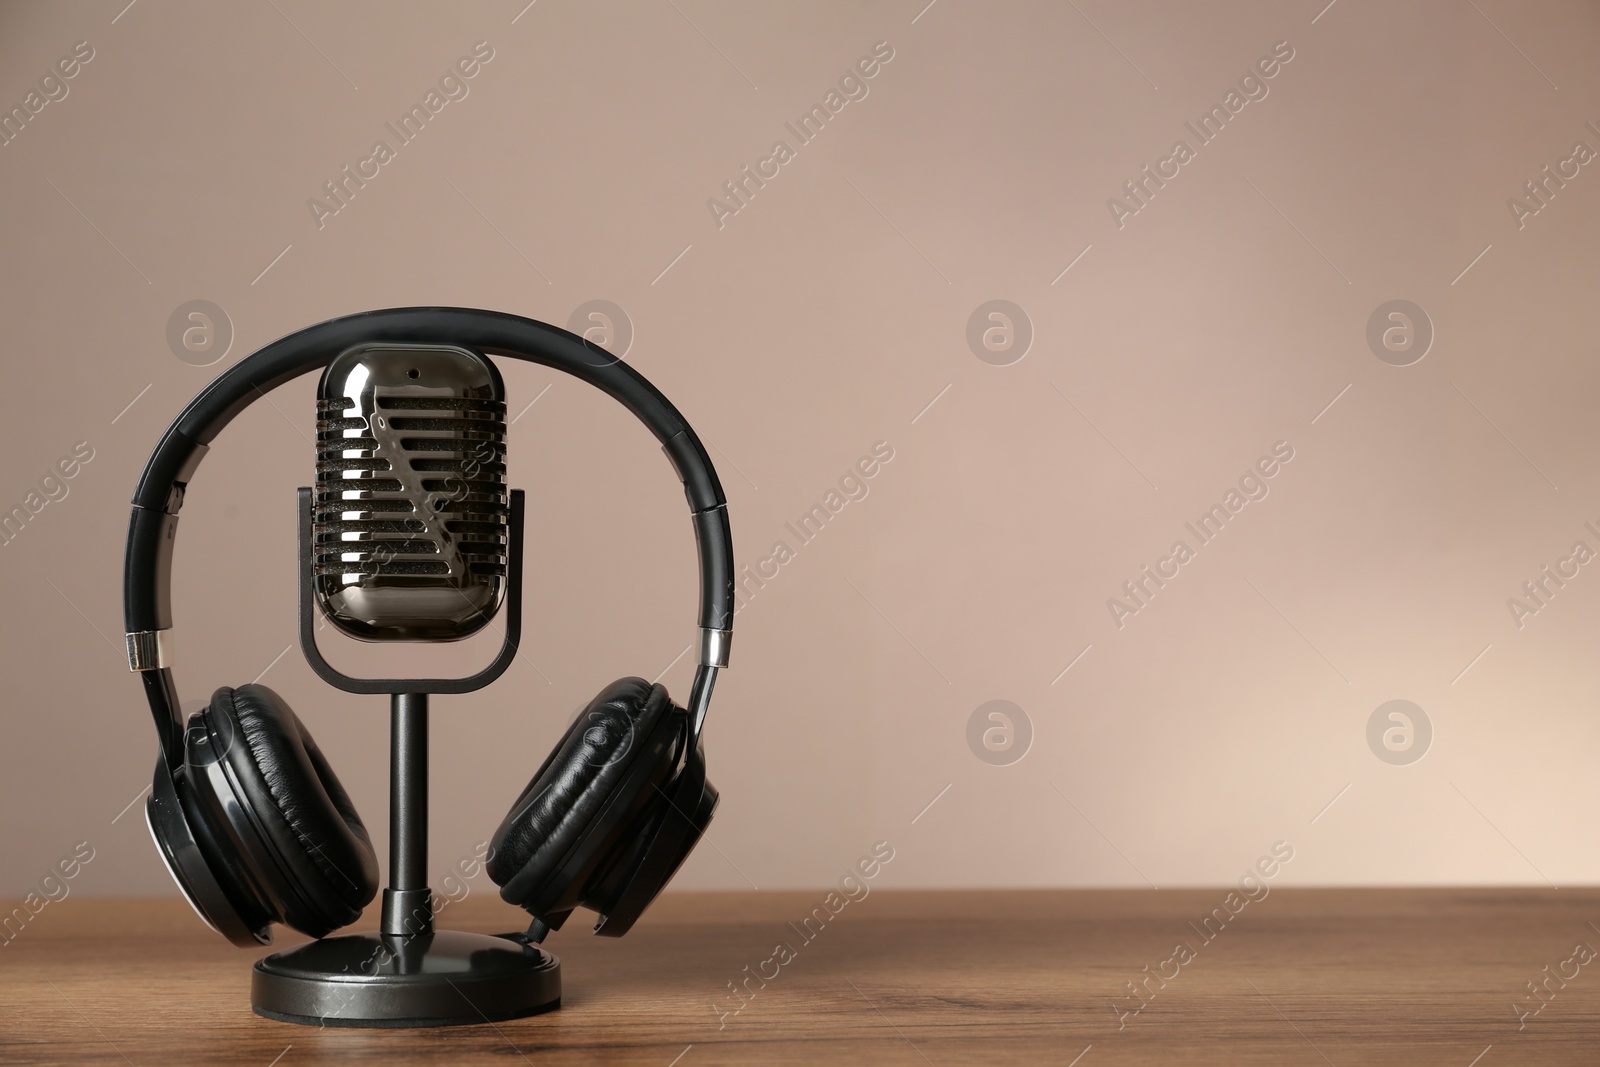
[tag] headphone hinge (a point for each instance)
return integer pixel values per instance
(147, 650)
(714, 646)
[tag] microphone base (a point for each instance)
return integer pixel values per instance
(447, 978)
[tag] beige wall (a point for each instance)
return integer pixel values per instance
(825, 316)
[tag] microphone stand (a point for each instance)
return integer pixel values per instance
(408, 902)
(406, 973)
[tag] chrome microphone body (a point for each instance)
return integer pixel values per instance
(409, 517)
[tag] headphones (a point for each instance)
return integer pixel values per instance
(245, 811)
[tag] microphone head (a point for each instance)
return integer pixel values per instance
(409, 521)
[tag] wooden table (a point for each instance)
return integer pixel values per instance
(1317, 977)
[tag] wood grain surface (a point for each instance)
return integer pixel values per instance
(1344, 977)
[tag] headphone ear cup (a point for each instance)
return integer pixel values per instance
(652, 853)
(209, 874)
(315, 859)
(577, 810)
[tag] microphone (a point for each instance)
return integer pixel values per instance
(409, 517)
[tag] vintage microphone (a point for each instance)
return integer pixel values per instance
(409, 535)
(409, 542)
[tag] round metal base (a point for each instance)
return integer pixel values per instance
(447, 978)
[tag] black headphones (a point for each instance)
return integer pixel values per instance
(252, 822)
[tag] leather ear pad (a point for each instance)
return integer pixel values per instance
(306, 816)
(573, 784)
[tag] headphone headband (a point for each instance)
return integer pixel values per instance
(147, 572)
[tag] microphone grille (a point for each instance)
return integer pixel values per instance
(410, 513)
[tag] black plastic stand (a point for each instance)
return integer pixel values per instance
(406, 973)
